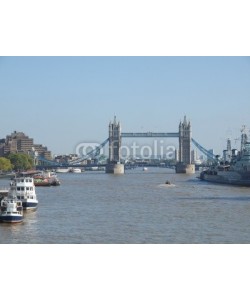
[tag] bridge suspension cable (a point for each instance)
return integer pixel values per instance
(93, 153)
(204, 151)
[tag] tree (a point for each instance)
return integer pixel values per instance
(5, 164)
(21, 161)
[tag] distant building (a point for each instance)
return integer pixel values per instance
(68, 158)
(176, 155)
(195, 158)
(227, 154)
(211, 151)
(18, 142)
(43, 151)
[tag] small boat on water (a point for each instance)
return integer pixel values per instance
(76, 170)
(11, 210)
(24, 189)
(145, 169)
(62, 170)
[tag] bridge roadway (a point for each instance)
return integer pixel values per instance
(127, 166)
(55, 166)
(150, 135)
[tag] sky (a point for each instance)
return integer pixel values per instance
(63, 101)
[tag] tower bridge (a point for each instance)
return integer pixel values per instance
(116, 135)
(115, 141)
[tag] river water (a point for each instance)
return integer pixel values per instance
(135, 208)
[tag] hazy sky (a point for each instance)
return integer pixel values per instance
(62, 101)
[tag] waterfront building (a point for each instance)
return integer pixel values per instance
(18, 142)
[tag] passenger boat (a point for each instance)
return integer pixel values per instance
(11, 210)
(24, 188)
(237, 172)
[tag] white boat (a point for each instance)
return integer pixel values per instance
(11, 210)
(145, 169)
(24, 189)
(76, 170)
(94, 168)
(62, 170)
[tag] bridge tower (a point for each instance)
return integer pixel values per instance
(185, 135)
(114, 165)
(114, 141)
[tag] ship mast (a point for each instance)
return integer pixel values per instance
(244, 137)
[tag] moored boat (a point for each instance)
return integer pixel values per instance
(46, 179)
(24, 188)
(11, 210)
(41, 181)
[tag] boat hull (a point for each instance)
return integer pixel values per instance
(29, 205)
(11, 219)
(226, 179)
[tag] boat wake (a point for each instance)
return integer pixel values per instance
(166, 185)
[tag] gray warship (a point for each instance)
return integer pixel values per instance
(235, 172)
